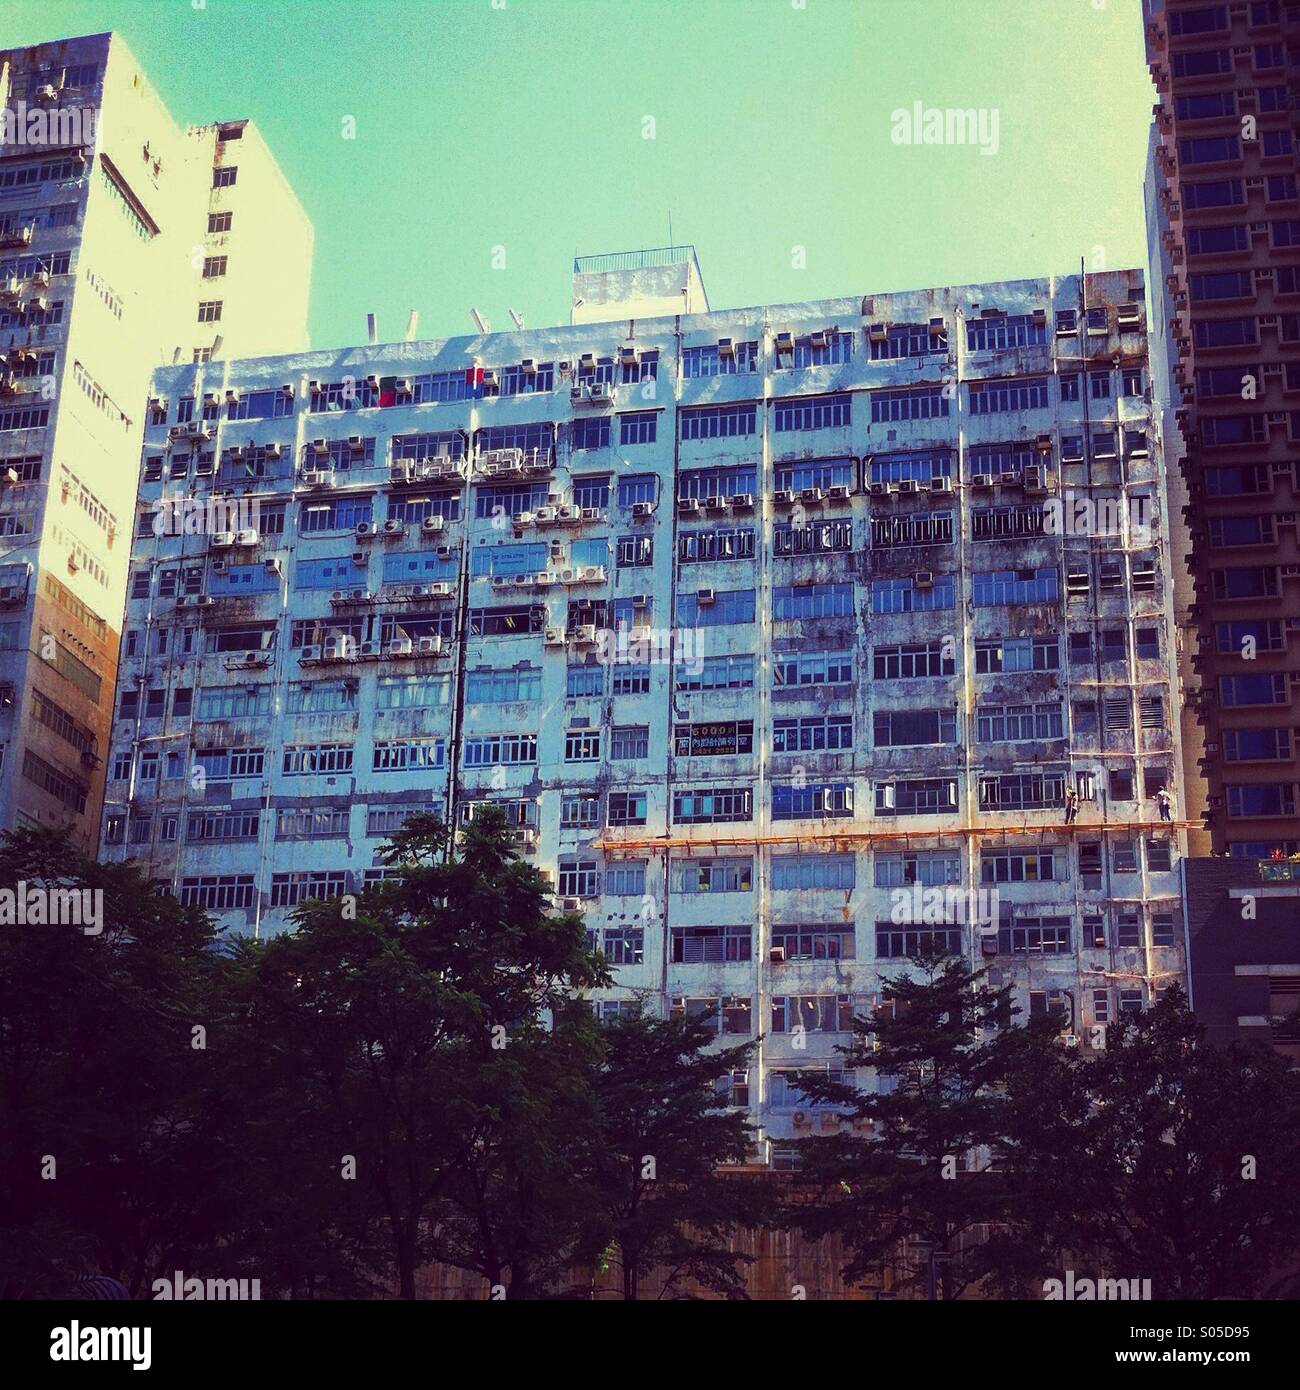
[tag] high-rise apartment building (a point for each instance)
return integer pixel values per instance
(1224, 226)
(114, 226)
(1223, 219)
(790, 639)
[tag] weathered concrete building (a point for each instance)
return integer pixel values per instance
(108, 213)
(791, 638)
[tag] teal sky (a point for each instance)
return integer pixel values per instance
(520, 124)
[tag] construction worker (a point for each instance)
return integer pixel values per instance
(1164, 804)
(1071, 806)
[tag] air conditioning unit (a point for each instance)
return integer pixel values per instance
(431, 525)
(554, 637)
(878, 332)
(743, 501)
(714, 504)
(365, 530)
(528, 367)
(337, 649)
(600, 391)
(577, 395)
(642, 511)
(399, 473)
(309, 654)
(571, 904)
(838, 493)
(370, 651)
(222, 540)
(783, 342)
(47, 92)
(500, 581)
(1035, 480)
(431, 646)
(982, 480)
(801, 1119)
(356, 444)
(40, 279)
(248, 537)
(1070, 1039)
(585, 634)
(590, 513)
(400, 646)
(726, 348)
(317, 477)
(909, 485)
(923, 579)
(812, 495)
(394, 527)
(320, 447)
(818, 340)
(777, 955)
(783, 497)
(257, 658)
(1009, 478)
(704, 597)
(544, 516)
(591, 574)
(627, 355)
(940, 484)
(688, 506)
(569, 514)
(938, 324)
(878, 489)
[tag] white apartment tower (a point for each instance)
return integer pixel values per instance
(107, 270)
(791, 639)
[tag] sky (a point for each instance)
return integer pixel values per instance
(495, 139)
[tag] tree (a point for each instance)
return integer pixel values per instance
(923, 1172)
(664, 1132)
(109, 1163)
(384, 1024)
(1174, 1161)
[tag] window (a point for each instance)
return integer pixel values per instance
(812, 801)
(812, 413)
(225, 177)
(492, 750)
(904, 595)
(629, 742)
(732, 1013)
(1018, 723)
(408, 753)
(997, 587)
(999, 397)
(582, 746)
(578, 878)
(813, 733)
(639, 427)
(930, 868)
(913, 728)
(716, 608)
(998, 332)
(210, 311)
(803, 871)
(893, 943)
(924, 796)
(631, 680)
(580, 810)
(306, 759)
(916, 403)
(713, 360)
(495, 687)
(701, 945)
(910, 661)
(219, 893)
(1262, 799)
(716, 422)
(214, 266)
(1009, 654)
(1022, 791)
(717, 543)
(1020, 866)
(627, 808)
(707, 806)
(626, 879)
(813, 1013)
(219, 222)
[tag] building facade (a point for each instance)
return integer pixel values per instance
(791, 639)
(106, 217)
(1224, 228)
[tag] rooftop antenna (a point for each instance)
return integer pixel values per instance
(372, 329)
(480, 322)
(412, 320)
(519, 320)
